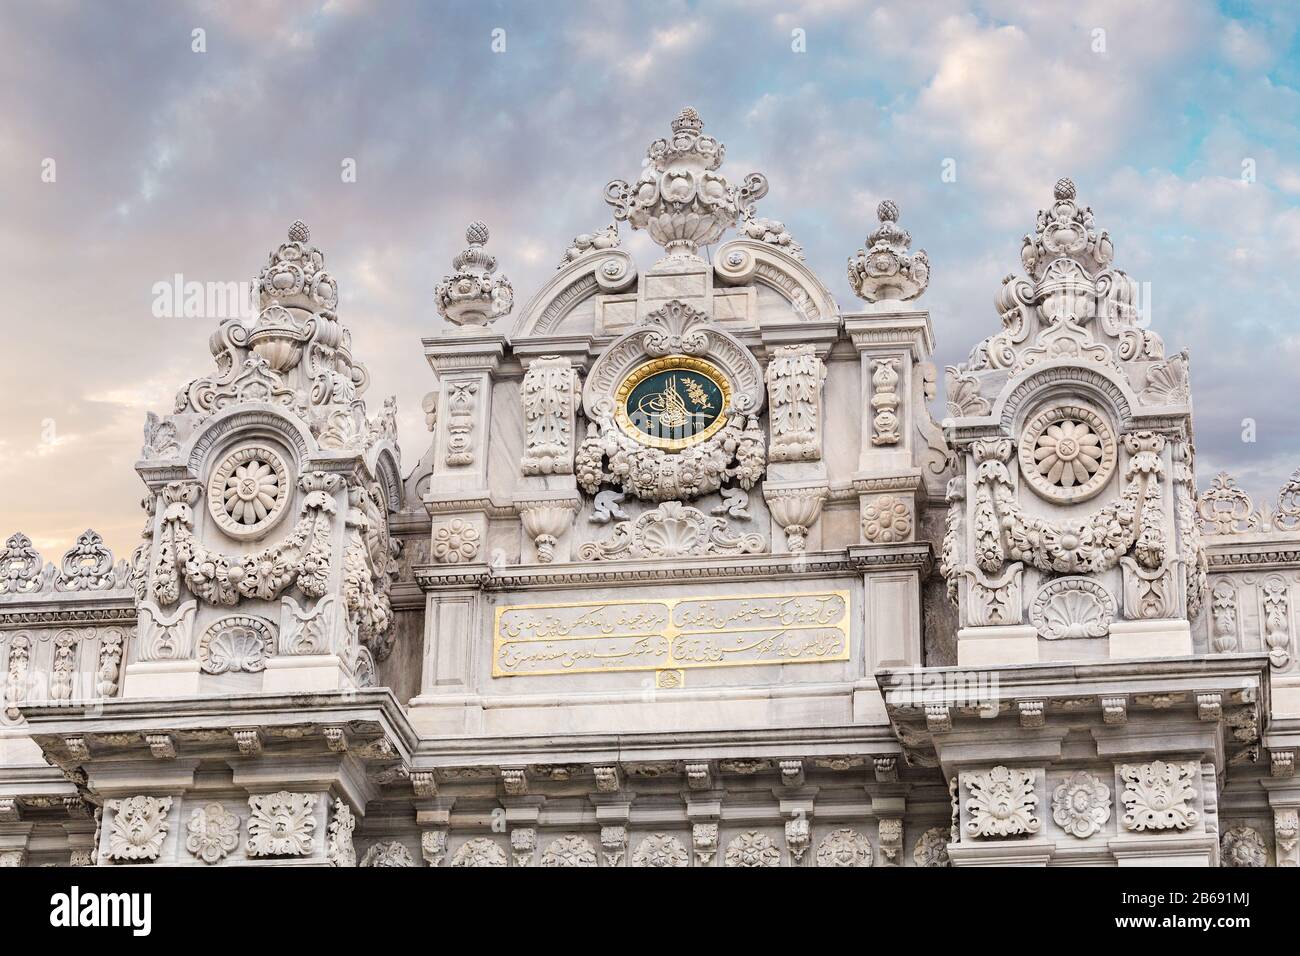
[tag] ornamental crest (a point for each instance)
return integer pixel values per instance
(1001, 803)
(282, 824)
(1159, 795)
(139, 827)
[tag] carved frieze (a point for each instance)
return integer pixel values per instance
(661, 850)
(139, 827)
(794, 378)
(1001, 802)
(211, 833)
(752, 849)
(1159, 795)
(569, 850)
(549, 397)
(479, 851)
(281, 823)
(844, 847)
(1081, 804)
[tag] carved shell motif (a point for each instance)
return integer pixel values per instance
(1069, 608)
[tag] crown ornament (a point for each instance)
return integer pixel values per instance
(1066, 230)
(680, 199)
(473, 295)
(886, 268)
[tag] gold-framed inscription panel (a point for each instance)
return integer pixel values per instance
(673, 402)
(742, 630)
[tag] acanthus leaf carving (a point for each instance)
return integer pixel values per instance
(549, 397)
(281, 823)
(1002, 802)
(671, 530)
(1159, 795)
(795, 375)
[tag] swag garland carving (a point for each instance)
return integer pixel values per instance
(1004, 532)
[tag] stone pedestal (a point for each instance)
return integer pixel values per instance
(989, 646)
(161, 679)
(305, 674)
(1161, 638)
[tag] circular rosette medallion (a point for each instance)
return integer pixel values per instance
(673, 402)
(248, 491)
(1067, 453)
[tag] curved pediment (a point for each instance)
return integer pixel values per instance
(596, 273)
(753, 262)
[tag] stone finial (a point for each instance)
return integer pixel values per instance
(472, 295)
(590, 242)
(886, 269)
(679, 199)
(299, 232)
(1066, 230)
(295, 276)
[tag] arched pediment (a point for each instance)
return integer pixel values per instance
(749, 261)
(597, 273)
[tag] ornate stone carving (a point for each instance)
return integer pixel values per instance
(672, 530)
(64, 666)
(884, 402)
(20, 650)
(1067, 453)
(889, 831)
(241, 642)
(679, 199)
(752, 849)
(108, 673)
(88, 566)
(1081, 804)
(211, 833)
(433, 846)
(796, 510)
(544, 522)
(479, 851)
(472, 296)
(932, 848)
(1167, 382)
(165, 637)
(569, 850)
(1242, 846)
(886, 269)
(798, 837)
(20, 566)
(391, 853)
(281, 824)
(1072, 607)
(964, 399)
(772, 232)
(1286, 833)
(589, 242)
(1159, 795)
(704, 841)
(994, 601)
(1226, 509)
(462, 404)
(139, 827)
(844, 847)
(1148, 594)
(523, 844)
(613, 844)
(661, 849)
(549, 396)
(1002, 802)
(248, 492)
(794, 396)
(1277, 621)
(455, 542)
(887, 518)
(339, 849)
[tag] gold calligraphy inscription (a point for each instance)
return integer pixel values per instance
(732, 631)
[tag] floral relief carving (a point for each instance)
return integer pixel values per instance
(753, 849)
(549, 395)
(661, 849)
(1277, 621)
(884, 402)
(794, 378)
(472, 295)
(886, 268)
(1067, 453)
(1159, 795)
(479, 851)
(392, 853)
(462, 403)
(281, 824)
(455, 542)
(20, 650)
(1286, 833)
(109, 672)
(994, 601)
(1081, 804)
(248, 491)
(1223, 613)
(964, 399)
(63, 669)
(1226, 509)
(1001, 802)
(20, 566)
(887, 519)
(1068, 608)
(669, 531)
(139, 827)
(844, 847)
(569, 850)
(212, 832)
(932, 848)
(796, 510)
(1242, 846)
(88, 566)
(339, 849)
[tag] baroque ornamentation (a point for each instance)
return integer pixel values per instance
(752, 849)
(88, 566)
(1067, 453)
(549, 396)
(672, 530)
(139, 827)
(339, 850)
(462, 405)
(392, 853)
(1159, 795)
(932, 848)
(1072, 607)
(249, 491)
(20, 566)
(479, 851)
(679, 198)
(281, 824)
(794, 378)
(1286, 833)
(1226, 509)
(661, 849)
(1081, 804)
(884, 402)
(844, 847)
(1277, 621)
(886, 268)
(1242, 846)
(796, 510)
(1223, 616)
(241, 642)
(212, 832)
(569, 850)
(20, 651)
(885, 519)
(455, 542)
(1002, 802)
(472, 295)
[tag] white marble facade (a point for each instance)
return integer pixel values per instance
(688, 574)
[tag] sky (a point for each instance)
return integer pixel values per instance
(133, 149)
